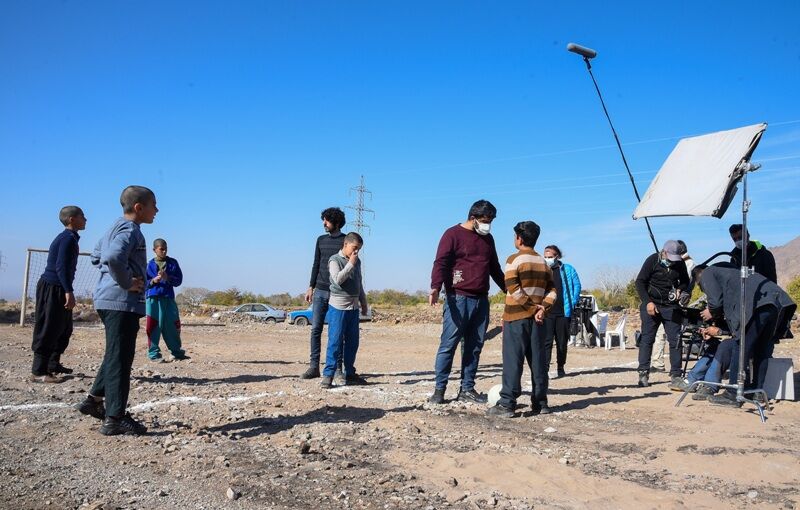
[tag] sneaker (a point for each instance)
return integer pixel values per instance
(658, 368)
(471, 396)
(182, 357)
(726, 398)
(644, 378)
(339, 377)
(500, 411)
(159, 359)
(310, 373)
(678, 383)
(355, 380)
(437, 397)
(126, 425)
(544, 409)
(703, 392)
(60, 369)
(46, 378)
(326, 382)
(560, 372)
(92, 407)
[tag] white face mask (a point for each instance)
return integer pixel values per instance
(482, 228)
(549, 261)
(738, 244)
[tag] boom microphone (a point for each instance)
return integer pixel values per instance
(581, 50)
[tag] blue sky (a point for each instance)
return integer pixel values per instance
(248, 118)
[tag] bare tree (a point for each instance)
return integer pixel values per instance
(613, 279)
(192, 296)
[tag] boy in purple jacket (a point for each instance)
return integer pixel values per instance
(163, 275)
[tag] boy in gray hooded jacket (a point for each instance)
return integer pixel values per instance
(121, 257)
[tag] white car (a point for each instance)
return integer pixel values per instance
(260, 310)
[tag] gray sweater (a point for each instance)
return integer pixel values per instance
(120, 255)
(347, 291)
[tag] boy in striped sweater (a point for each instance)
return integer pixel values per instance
(530, 293)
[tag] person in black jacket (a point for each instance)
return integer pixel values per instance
(55, 300)
(661, 281)
(318, 292)
(768, 312)
(758, 256)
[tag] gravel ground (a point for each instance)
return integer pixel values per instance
(235, 427)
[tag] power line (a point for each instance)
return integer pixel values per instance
(561, 152)
(360, 208)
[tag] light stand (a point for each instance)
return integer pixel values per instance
(742, 170)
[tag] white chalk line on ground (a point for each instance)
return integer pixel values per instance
(246, 398)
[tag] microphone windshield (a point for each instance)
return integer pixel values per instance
(581, 50)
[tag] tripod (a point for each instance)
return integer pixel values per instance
(762, 399)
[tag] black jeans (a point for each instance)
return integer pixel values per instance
(52, 328)
(671, 318)
(523, 340)
(113, 380)
(759, 341)
(556, 328)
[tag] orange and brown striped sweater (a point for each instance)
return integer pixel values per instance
(529, 282)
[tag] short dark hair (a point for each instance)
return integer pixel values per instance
(354, 237)
(68, 212)
(159, 242)
(334, 215)
(555, 249)
(696, 270)
(133, 195)
(482, 209)
(528, 231)
(736, 227)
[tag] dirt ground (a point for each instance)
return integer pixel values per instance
(235, 427)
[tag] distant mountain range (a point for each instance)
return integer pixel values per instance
(787, 261)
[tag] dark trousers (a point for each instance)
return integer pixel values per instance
(759, 343)
(113, 380)
(523, 340)
(556, 328)
(52, 328)
(671, 319)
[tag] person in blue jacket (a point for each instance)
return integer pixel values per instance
(568, 285)
(163, 275)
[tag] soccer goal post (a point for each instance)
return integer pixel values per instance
(86, 277)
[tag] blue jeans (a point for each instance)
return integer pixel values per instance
(463, 317)
(700, 369)
(342, 336)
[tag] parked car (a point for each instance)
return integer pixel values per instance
(261, 310)
(303, 317)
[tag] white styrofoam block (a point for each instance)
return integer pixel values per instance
(494, 394)
(779, 383)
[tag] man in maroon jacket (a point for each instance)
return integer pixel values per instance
(464, 261)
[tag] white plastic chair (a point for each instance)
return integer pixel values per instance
(600, 322)
(618, 332)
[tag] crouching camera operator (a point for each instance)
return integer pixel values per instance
(660, 284)
(767, 313)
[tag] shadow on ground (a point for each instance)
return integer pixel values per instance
(328, 414)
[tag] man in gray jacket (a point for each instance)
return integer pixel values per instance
(768, 310)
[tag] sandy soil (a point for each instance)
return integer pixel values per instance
(235, 427)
